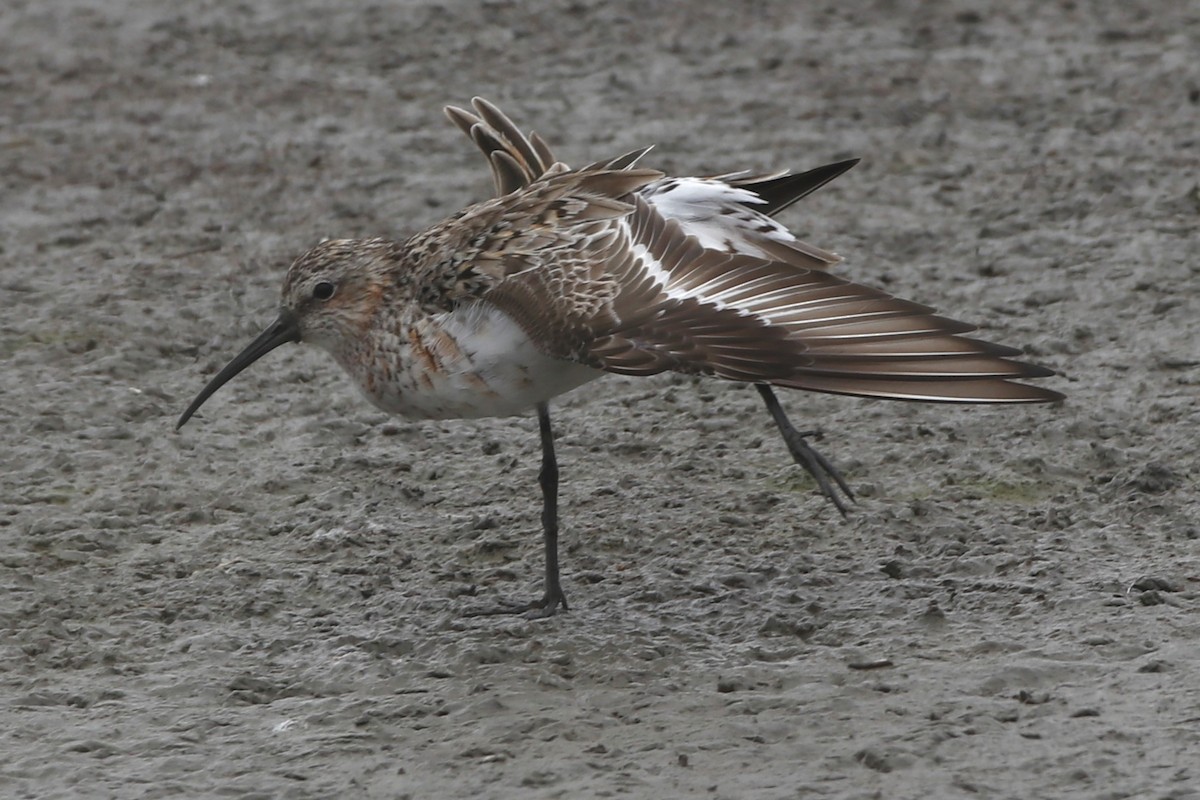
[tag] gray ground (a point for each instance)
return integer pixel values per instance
(270, 604)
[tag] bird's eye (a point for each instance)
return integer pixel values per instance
(323, 290)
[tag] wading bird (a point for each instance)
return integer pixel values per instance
(569, 274)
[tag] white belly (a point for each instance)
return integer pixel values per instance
(472, 362)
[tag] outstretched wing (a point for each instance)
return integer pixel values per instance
(633, 273)
(691, 309)
(634, 294)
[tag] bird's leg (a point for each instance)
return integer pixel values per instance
(548, 479)
(812, 461)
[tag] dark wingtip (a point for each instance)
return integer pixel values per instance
(1053, 396)
(779, 193)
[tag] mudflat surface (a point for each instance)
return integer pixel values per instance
(271, 604)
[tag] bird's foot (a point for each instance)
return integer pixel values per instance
(544, 608)
(824, 473)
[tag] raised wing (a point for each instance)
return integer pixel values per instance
(730, 212)
(619, 269)
(516, 159)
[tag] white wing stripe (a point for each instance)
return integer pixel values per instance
(716, 214)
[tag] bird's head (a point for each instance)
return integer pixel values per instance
(330, 295)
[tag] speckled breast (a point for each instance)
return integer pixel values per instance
(472, 362)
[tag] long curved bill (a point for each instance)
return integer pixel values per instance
(283, 330)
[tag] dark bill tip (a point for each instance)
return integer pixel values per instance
(283, 330)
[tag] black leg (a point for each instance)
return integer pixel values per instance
(548, 479)
(815, 463)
